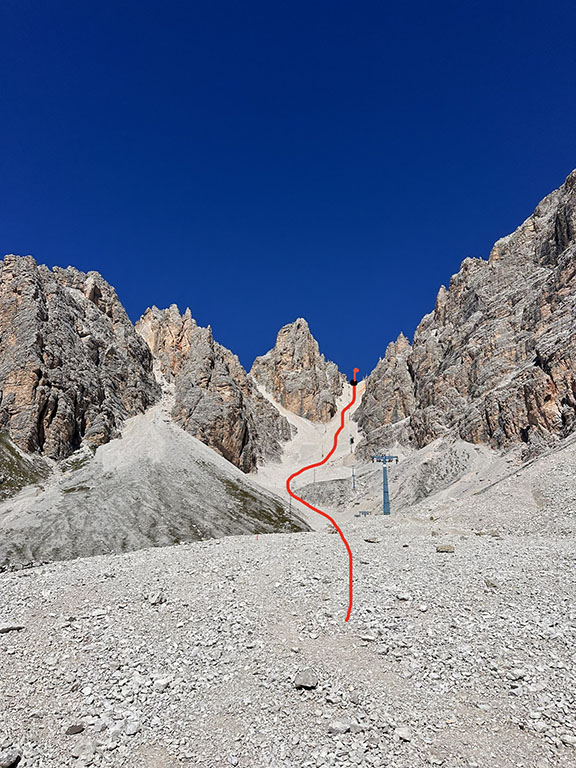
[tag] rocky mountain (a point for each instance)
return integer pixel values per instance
(81, 386)
(215, 399)
(298, 376)
(495, 361)
(72, 367)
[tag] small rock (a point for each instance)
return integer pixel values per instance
(156, 598)
(5, 628)
(516, 674)
(306, 679)
(568, 739)
(74, 729)
(9, 759)
(491, 584)
(354, 697)
(373, 540)
(338, 727)
(84, 749)
(403, 596)
(444, 548)
(132, 728)
(404, 734)
(162, 684)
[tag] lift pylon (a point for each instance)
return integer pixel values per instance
(385, 460)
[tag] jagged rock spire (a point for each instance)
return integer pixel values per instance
(215, 400)
(298, 376)
(495, 361)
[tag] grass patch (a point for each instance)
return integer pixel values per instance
(271, 514)
(16, 470)
(75, 462)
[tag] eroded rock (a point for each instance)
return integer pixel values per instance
(495, 361)
(298, 376)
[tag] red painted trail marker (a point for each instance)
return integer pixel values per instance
(319, 511)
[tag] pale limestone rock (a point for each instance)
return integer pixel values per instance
(298, 376)
(215, 399)
(72, 367)
(495, 361)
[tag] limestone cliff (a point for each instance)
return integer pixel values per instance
(215, 400)
(72, 367)
(495, 361)
(298, 376)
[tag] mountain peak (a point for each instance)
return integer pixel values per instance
(493, 363)
(297, 375)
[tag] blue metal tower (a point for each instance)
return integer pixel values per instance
(385, 460)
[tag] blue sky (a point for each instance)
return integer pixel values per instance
(261, 161)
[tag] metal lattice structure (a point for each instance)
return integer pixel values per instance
(385, 460)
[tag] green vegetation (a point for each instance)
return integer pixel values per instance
(17, 470)
(76, 461)
(272, 515)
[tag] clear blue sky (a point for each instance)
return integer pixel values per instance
(260, 161)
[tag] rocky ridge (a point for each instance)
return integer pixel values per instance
(72, 367)
(495, 361)
(215, 399)
(298, 376)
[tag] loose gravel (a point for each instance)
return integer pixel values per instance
(235, 652)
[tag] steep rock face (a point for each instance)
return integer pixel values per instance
(215, 400)
(71, 364)
(495, 360)
(298, 376)
(389, 395)
(169, 335)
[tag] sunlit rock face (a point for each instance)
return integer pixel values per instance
(215, 399)
(298, 376)
(495, 361)
(72, 367)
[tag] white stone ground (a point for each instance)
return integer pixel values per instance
(187, 655)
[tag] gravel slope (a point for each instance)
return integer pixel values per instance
(157, 485)
(188, 655)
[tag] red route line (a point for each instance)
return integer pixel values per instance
(319, 511)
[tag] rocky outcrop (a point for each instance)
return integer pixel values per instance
(496, 359)
(72, 367)
(389, 395)
(298, 376)
(170, 337)
(215, 400)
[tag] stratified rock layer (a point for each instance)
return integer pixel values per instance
(215, 400)
(298, 376)
(72, 366)
(495, 361)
